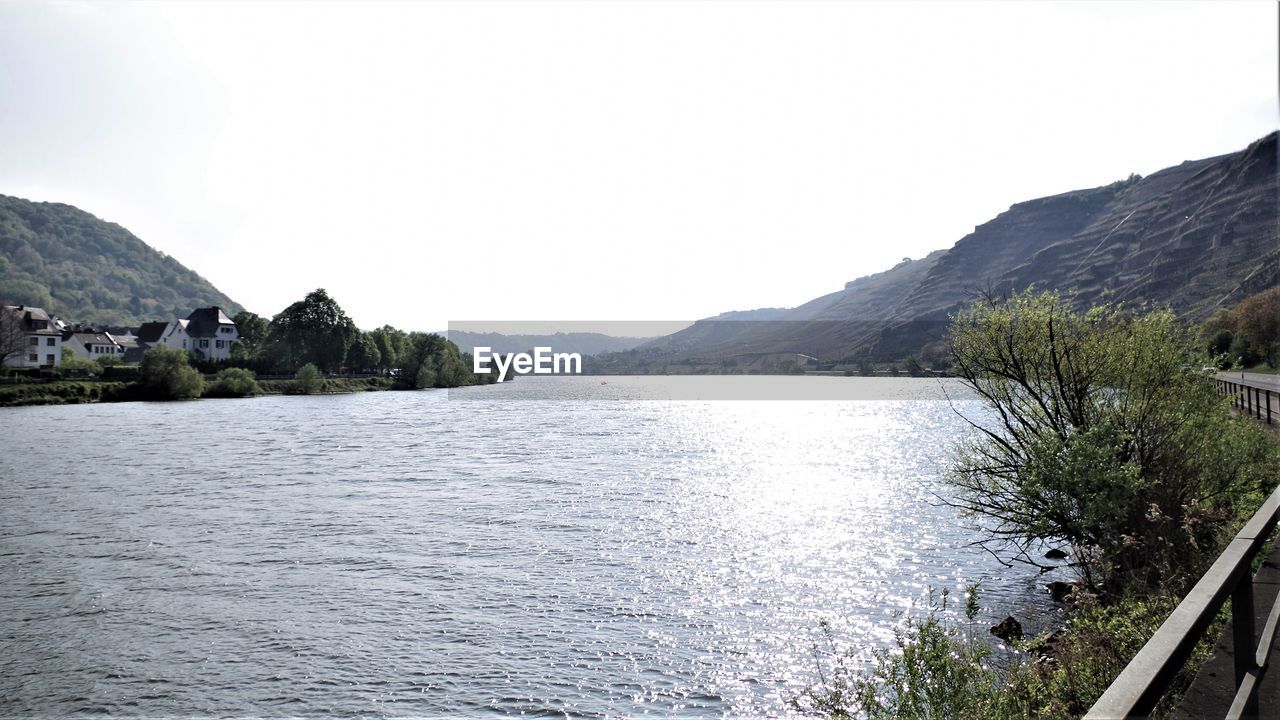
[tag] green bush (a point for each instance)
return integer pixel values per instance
(77, 367)
(122, 372)
(1076, 665)
(234, 382)
(167, 375)
(308, 380)
(1101, 441)
(938, 669)
(934, 670)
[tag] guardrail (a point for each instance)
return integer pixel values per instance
(1146, 678)
(1252, 400)
(1144, 681)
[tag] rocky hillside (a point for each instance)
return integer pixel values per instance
(1194, 237)
(88, 270)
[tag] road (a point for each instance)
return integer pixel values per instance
(1262, 381)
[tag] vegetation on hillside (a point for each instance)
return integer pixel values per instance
(71, 263)
(1105, 444)
(1247, 334)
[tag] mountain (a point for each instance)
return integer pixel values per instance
(1194, 237)
(88, 270)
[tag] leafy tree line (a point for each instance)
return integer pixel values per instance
(1248, 334)
(316, 331)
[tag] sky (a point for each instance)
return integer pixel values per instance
(437, 162)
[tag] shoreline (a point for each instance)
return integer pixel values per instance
(93, 391)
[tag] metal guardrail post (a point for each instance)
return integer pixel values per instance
(1243, 638)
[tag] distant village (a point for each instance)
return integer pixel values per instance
(35, 339)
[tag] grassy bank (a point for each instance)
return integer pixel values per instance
(330, 385)
(65, 392)
(75, 392)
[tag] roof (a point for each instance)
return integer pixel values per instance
(204, 322)
(32, 315)
(93, 338)
(151, 332)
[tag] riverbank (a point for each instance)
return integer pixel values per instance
(85, 391)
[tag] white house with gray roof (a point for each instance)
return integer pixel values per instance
(92, 345)
(206, 331)
(29, 337)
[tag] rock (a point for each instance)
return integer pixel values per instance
(1008, 629)
(1056, 554)
(1059, 590)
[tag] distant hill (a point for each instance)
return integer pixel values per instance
(1194, 237)
(583, 343)
(88, 270)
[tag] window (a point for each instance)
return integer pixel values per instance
(35, 341)
(184, 344)
(204, 343)
(218, 344)
(51, 341)
(33, 357)
(48, 359)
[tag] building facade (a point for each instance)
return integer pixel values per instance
(29, 337)
(91, 345)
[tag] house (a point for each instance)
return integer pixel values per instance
(174, 335)
(88, 344)
(206, 331)
(29, 337)
(150, 333)
(128, 343)
(211, 333)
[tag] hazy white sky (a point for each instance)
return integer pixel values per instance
(436, 162)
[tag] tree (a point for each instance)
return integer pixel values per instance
(253, 330)
(1256, 322)
(363, 354)
(390, 342)
(13, 337)
(429, 360)
(312, 330)
(167, 374)
(308, 380)
(1100, 440)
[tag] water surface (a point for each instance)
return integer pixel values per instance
(415, 554)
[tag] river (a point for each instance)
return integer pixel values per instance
(484, 551)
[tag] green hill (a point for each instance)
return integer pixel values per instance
(88, 270)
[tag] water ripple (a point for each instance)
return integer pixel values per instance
(405, 554)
